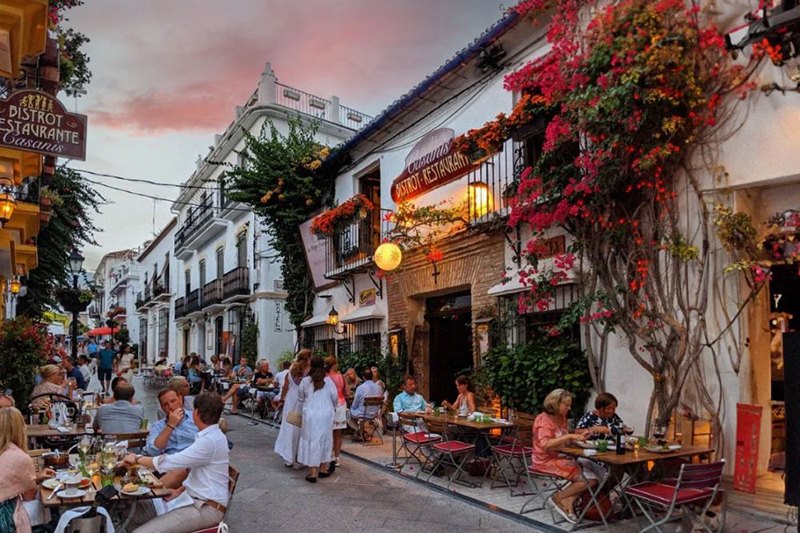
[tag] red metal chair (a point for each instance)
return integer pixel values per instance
(509, 456)
(694, 491)
(453, 453)
(415, 444)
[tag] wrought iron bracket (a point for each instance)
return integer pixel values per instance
(515, 244)
(351, 289)
(378, 283)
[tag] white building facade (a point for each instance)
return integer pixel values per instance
(117, 280)
(227, 272)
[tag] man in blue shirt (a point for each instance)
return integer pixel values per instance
(243, 370)
(409, 400)
(91, 348)
(105, 365)
(172, 434)
(367, 389)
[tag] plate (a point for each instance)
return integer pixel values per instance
(587, 444)
(51, 483)
(661, 449)
(142, 490)
(71, 493)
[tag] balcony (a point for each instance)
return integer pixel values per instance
(140, 301)
(194, 302)
(236, 284)
(493, 183)
(351, 249)
(212, 293)
(180, 308)
(200, 226)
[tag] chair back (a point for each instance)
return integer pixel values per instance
(701, 476)
(373, 405)
(233, 478)
(135, 440)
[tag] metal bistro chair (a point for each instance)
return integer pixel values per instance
(695, 491)
(510, 458)
(453, 453)
(416, 444)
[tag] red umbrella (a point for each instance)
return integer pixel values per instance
(102, 330)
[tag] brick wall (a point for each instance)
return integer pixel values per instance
(473, 262)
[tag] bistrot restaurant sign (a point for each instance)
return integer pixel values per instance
(36, 122)
(432, 162)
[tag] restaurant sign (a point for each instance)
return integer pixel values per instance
(432, 162)
(36, 122)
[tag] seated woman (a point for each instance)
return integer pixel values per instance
(195, 376)
(466, 396)
(603, 421)
(351, 382)
(53, 382)
(551, 433)
(234, 387)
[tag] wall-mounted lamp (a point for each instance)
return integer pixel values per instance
(7, 201)
(333, 321)
(388, 256)
(479, 198)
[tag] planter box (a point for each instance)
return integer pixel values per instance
(70, 301)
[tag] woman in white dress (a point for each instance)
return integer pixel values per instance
(125, 365)
(289, 435)
(319, 397)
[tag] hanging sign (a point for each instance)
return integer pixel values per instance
(432, 162)
(35, 121)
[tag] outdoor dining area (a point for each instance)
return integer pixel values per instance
(590, 473)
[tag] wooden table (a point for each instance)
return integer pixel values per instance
(632, 462)
(88, 499)
(455, 420)
(38, 431)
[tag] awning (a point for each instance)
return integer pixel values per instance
(316, 320)
(511, 286)
(368, 312)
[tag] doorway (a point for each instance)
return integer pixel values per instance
(450, 342)
(784, 296)
(219, 341)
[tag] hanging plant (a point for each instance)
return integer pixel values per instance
(337, 218)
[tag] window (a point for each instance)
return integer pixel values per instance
(241, 249)
(202, 272)
(220, 262)
(165, 274)
(514, 328)
(187, 277)
(163, 329)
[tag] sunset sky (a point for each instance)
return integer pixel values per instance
(168, 74)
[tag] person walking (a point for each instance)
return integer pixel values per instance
(340, 417)
(289, 434)
(126, 363)
(318, 394)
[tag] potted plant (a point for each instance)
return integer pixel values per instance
(337, 218)
(74, 301)
(48, 198)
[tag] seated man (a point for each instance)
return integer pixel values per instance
(172, 434)
(264, 378)
(68, 364)
(368, 389)
(206, 487)
(180, 385)
(121, 416)
(410, 401)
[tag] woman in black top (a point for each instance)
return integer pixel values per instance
(603, 421)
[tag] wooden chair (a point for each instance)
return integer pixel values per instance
(136, 440)
(233, 478)
(368, 424)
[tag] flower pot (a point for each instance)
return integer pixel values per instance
(70, 301)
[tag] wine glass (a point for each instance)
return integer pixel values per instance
(659, 432)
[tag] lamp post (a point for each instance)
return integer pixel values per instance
(75, 266)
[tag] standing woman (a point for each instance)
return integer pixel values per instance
(125, 364)
(289, 434)
(17, 472)
(318, 394)
(340, 417)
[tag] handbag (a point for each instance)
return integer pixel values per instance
(295, 418)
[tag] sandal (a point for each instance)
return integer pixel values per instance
(311, 479)
(323, 475)
(566, 515)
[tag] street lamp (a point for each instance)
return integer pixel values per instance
(75, 265)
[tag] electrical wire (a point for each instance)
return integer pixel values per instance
(139, 180)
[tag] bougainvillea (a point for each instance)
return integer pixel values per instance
(327, 223)
(630, 91)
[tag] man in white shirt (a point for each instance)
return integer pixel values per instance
(205, 489)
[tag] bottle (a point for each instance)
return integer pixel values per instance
(620, 444)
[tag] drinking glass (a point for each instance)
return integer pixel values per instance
(659, 432)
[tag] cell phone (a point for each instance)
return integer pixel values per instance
(104, 496)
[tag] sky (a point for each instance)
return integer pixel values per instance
(167, 75)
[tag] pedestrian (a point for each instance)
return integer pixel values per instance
(105, 365)
(289, 434)
(318, 394)
(125, 363)
(340, 417)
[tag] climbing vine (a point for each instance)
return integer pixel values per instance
(634, 95)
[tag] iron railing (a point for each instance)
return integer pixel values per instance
(236, 282)
(494, 182)
(353, 246)
(302, 101)
(180, 307)
(196, 218)
(194, 301)
(353, 119)
(212, 293)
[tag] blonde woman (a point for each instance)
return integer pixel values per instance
(551, 433)
(53, 382)
(17, 472)
(289, 435)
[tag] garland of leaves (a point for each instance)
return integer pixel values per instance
(70, 228)
(283, 180)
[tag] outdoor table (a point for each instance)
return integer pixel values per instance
(40, 431)
(633, 462)
(89, 498)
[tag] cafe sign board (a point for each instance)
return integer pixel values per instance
(35, 121)
(432, 162)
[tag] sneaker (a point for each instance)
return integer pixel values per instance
(569, 517)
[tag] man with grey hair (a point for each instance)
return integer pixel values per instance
(181, 385)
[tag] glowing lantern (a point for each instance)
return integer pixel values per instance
(388, 256)
(479, 198)
(14, 286)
